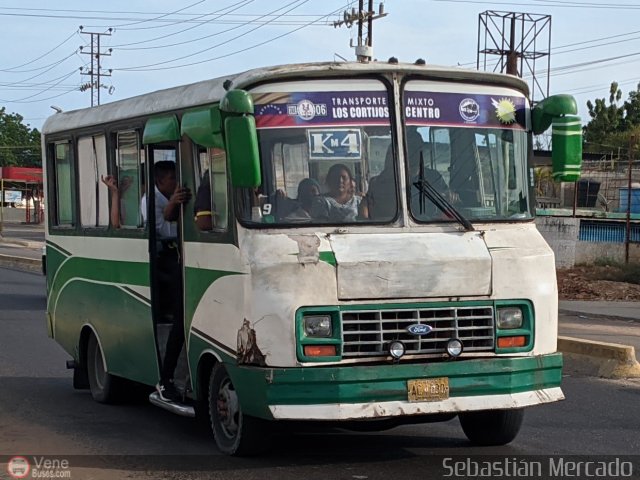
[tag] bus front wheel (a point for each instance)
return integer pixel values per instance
(234, 433)
(492, 427)
(103, 386)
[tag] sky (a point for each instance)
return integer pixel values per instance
(165, 43)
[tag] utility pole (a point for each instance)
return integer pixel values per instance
(364, 48)
(627, 237)
(96, 68)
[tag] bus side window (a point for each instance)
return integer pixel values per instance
(63, 206)
(130, 177)
(92, 165)
(211, 204)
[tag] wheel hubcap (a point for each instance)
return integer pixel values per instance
(228, 408)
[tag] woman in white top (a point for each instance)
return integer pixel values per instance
(340, 204)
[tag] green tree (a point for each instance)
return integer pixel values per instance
(612, 123)
(19, 144)
(632, 108)
(607, 120)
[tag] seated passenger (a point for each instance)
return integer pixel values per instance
(117, 212)
(202, 208)
(308, 190)
(340, 204)
(381, 196)
(416, 155)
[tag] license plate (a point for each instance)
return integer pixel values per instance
(428, 389)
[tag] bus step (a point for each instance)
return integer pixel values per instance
(177, 408)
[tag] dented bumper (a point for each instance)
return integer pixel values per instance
(379, 391)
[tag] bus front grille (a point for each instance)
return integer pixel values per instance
(367, 333)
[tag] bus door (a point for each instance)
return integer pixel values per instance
(165, 240)
(208, 243)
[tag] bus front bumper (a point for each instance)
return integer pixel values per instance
(381, 391)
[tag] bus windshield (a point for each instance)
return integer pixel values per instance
(471, 148)
(323, 144)
(328, 155)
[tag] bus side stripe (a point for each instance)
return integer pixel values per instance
(212, 341)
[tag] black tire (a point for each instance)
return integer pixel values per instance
(492, 427)
(235, 433)
(104, 386)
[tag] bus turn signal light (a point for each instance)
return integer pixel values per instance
(320, 350)
(511, 342)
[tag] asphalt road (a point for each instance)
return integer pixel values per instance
(41, 414)
(30, 237)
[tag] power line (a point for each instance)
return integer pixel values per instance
(132, 12)
(21, 100)
(51, 67)
(41, 56)
(157, 18)
(131, 19)
(39, 87)
(54, 64)
(47, 98)
(587, 4)
(559, 70)
(493, 64)
(120, 47)
(295, 3)
(592, 88)
(597, 6)
(243, 49)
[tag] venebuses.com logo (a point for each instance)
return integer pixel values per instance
(38, 467)
(18, 467)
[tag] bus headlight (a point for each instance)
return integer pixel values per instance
(396, 349)
(454, 347)
(318, 326)
(510, 318)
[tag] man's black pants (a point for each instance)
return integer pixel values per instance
(170, 294)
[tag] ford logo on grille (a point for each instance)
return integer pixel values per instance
(419, 329)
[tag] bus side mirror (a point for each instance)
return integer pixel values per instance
(566, 150)
(242, 151)
(559, 112)
(241, 138)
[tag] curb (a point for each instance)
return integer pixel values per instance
(574, 313)
(21, 263)
(14, 242)
(606, 360)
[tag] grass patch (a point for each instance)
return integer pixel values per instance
(607, 262)
(619, 272)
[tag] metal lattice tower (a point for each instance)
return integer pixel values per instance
(521, 41)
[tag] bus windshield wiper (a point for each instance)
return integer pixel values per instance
(427, 190)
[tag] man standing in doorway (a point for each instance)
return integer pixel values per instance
(168, 197)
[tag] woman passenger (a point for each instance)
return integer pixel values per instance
(308, 190)
(340, 204)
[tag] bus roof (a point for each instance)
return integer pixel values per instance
(210, 91)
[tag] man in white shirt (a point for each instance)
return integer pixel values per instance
(168, 196)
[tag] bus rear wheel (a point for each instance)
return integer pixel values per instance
(235, 433)
(492, 427)
(103, 386)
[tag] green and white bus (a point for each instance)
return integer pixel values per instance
(410, 286)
